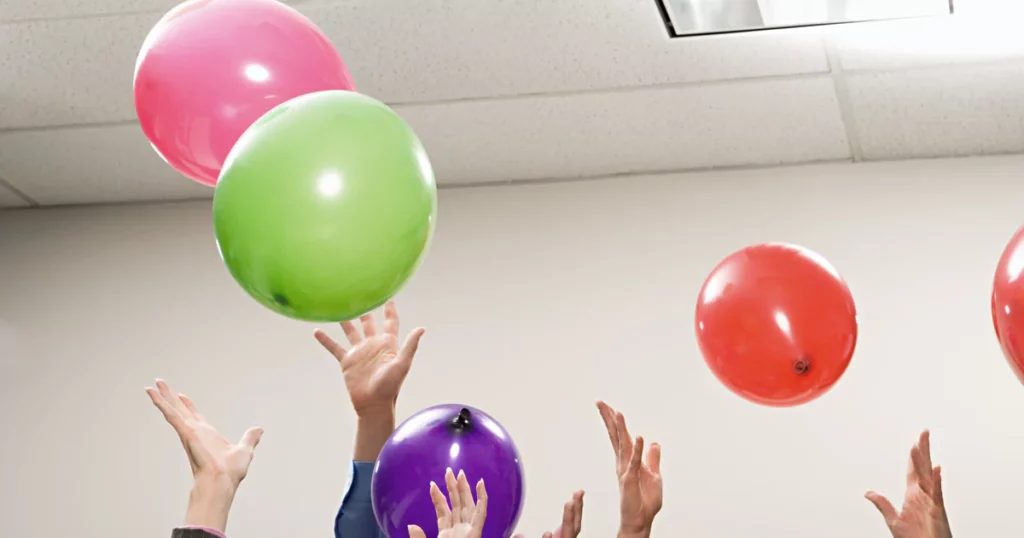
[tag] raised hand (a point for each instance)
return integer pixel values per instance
(375, 366)
(465, 518)
(924, 513)
(572, 519)
(218, 466)
(210, 454)
(640, 488)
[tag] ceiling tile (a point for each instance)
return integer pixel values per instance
(930, 41)
(69, 71)
(90, 164)
(653, 129)
(77, 71)
(965, 110)
(9, 199)
(453, 49)
(12, 10)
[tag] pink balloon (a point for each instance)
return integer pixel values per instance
(210, 68)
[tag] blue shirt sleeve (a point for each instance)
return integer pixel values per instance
(355, 518)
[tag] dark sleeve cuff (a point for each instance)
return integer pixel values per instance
(359, 483)
(192, 533)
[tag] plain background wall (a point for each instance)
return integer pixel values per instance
(537, 300)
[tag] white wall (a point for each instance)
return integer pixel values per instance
(537, 300)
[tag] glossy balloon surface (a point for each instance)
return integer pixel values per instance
(210, 68)
(1008, 303)
(433, 440)
(325, 207)
(776, 324)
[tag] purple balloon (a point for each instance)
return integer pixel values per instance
(428, 443)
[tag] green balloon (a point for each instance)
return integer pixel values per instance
(325, 206)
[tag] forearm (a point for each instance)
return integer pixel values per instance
(372, 431)
(209, 504)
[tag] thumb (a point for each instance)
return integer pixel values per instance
(884, 506)
(416, 532)
(412, 343)
(251, 438)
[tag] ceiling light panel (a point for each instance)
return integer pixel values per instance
(703, 17)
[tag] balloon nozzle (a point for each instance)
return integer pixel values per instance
(802, 365)
(462, 420)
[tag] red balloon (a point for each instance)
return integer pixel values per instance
(1008, 303)
(776, 324)
(210, 68)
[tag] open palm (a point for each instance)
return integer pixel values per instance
(375, 366)
(209, 452)
(924, 512)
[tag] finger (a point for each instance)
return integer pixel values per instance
(170, 397)
(369, 324)
(351, 332)
(922, 471)
(568, 517)
(444, 514)
(884, 507)
(329, 344)
(416, 532)
(623, 430)
(547, 535)
(937, 487)
(577, 523)
(654, 458)
(191, 406)
(251, 438)
(170, 415)
(391, 319)
(465, 495)
(925, 442)
(608, 416)
(453, 496)
(480, 513)
(911, 469)
(412, 343)
(638, 450)
(624, 442)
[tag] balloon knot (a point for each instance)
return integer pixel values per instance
(462, 422)
(802, 365)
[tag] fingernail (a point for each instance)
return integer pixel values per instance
(448, 471)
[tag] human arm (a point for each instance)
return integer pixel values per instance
(374, 368)
(218, 466)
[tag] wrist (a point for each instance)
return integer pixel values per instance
(210, 501)
(376, 413)
(643, 532)
(373, 430)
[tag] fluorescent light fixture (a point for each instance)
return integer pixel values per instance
(704, 17)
